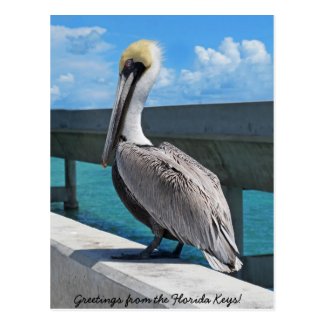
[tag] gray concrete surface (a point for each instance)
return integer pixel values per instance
(82, 268)
(235, 141)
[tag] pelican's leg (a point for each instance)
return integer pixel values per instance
(149, 251)
(174, 254)
(145, 254)
(177, 251)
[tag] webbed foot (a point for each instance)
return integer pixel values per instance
(148, 255)
(139, 256)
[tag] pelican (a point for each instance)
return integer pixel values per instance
(163, 187)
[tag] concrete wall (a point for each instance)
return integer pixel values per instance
(235, 141)
(81, 267)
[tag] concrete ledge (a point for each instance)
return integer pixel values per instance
(82, 271)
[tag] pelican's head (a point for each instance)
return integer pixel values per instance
(138, 69)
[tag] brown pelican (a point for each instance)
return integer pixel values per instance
(164, 188)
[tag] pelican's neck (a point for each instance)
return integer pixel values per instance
(132, 129)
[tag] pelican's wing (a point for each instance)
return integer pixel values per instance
(211, 183)
(179, 201)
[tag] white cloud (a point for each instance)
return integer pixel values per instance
(207, 56)
(232, 72)
(166, 78)
(190, 77)
(80, 69)
(255, 52)
(55, 93)
(59, 32)
(55, 90)
(69, 77)
(79, 40)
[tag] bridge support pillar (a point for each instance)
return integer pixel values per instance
(70, 184)
(257, 269)
(234, 198)
(67, 193)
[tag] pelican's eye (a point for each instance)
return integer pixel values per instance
(128, 68)
(137, 68)
(128, 64)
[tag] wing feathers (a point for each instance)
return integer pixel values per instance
(179, 198)
(224, 212)
(218, 266)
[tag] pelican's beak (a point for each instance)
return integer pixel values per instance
(127, 82)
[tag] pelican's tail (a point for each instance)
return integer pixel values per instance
(221, 267)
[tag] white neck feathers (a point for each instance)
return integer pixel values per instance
(132, 129)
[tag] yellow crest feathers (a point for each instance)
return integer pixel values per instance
(138, 51)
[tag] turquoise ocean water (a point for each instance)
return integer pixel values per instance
(100, 207)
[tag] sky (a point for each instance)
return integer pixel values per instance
(207, 59)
